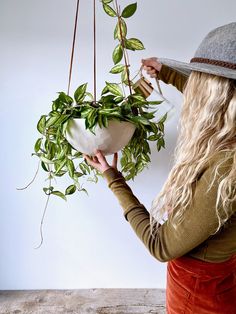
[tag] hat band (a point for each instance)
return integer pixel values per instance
(215, 62)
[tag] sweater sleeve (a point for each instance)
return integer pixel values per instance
(171, 76)
(199, 222)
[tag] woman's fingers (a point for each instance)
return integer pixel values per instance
(114, 162)
(151, 71)
(95, 159)
(153, 74)
(99, 161)
(152, 62)
(100, 157)
(90, 160)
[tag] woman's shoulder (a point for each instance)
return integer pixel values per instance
(218, 165)
(226, 157)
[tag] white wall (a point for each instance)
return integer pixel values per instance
(87, 241)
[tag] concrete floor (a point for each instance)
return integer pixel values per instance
(83, 301)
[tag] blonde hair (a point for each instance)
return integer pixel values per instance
(207, 127)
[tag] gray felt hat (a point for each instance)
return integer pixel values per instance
(215, 55)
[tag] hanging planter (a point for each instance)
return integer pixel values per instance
(109, 140)
(119, 120)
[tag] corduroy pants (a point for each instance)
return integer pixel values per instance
(200, 287)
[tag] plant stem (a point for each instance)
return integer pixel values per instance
(123, 46)
(44, 212)
(31, 180)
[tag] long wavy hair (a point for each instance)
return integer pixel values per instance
(207, 126)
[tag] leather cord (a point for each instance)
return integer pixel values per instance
(73, 46)
(94, 52)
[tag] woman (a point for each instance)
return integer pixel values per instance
(198, 239)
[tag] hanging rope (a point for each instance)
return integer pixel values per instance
(158, 86)
(94, 51)
(73, 46)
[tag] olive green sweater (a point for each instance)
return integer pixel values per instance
(193, 236)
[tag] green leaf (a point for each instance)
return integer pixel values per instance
(108, 111)
(85, 112)
(57, 104)
(124, 76)
(160, 143)
(81, 165)
(60, 165)
(148, 115)
(92, 117)
(60, 173)
(117, 68)
(114, 88)
(86, 167)
(70, 167)
(89, 95)
(78, 174)
(60, 194)
(46, 160)
(128, 45)
(158, 102)
(138, 97)
(52, 120)
(126, 107)
(37, 145)
(105, 90)
(141, 120)
(65, 98)
(104, 121)
(154, 127)
(117, 54)
(163, 118)
(134, 44)
(107, 1)
(153, 138)
(48, 190)
(78, 154)
(109, 10)
(41, 124)
(120, 29)
(51, 150)
(80, 92)
(118, 99)
(107, 100)
(116, 114)
(70, 189)
(129, 10)
(123, 161)
(44, 166)
(100, 121)
(161, 127)
(84, 190)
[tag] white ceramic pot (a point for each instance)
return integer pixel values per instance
(109, 140)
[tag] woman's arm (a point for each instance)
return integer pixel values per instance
(170, 76)
(200, 219)
(162, 72)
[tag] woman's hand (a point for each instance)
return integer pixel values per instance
(152, 66)
(99, 161)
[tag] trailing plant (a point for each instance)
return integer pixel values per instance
(56, 155)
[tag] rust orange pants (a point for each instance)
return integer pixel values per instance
(199, 287)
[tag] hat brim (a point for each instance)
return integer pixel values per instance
(186, 68)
